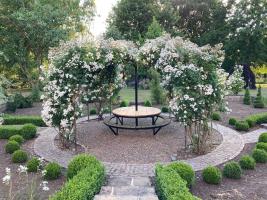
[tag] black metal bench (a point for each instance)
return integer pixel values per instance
(155, 126)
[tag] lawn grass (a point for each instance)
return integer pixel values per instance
(128, 94)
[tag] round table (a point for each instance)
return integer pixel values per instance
(130, 112)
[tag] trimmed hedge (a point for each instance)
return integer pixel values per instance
(124, 104)
(93, 112)
(27, 131)
(212, 175)
(184, 170)
(216, 116)
(260, 118)
(232, 170)
(12, 146)
(165, 109)
(33, 165)
(263, 137)
(241, 126)
(52, 171)
(19, 156)
(79, 163)
(232, 121)
(247, 162)
(23, 119)
(18, 138)
(259, 155)
(85, 185)
(262, 145)
(147, 103)
(170, 185)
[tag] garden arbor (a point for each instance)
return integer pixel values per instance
(191, 75)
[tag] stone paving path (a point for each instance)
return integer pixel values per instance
(231, 146)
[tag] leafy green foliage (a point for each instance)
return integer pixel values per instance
(19, 156)
(185, 171)
(93, 112)
(28, 131)
(216, 116)
(85, 184)
(23, 119)
(247, 98)
(11, 106)
(12, 146)
(33, 165)
(35, 93)
(124, 104)
(262, 145)
(52, 171)
(263, 137)
(147, 103)
(258, 102)
(212, 175)
(232, 170)
(259, 155)
(154, 30)
(6, 131)
(165, 109)
(18, 138)
(81, 162)
(23, 102)
(256, 119)
(247, 162)
(170, 185)
(241, 126)
(157, 94)
(232, 121)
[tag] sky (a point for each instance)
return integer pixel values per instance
(103, 8)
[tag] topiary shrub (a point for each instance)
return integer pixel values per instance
(7, 131)
(33, 165)
(170, 186)
(259, 155)
(84, 185)
(11, 106)
(23, 119)
(184, 170)
(263, 137)
(79, 163)
(251, 122)
(28, 131)
(247, 162)
(35, 93)
(247, 98)
(232, 121)
(232, 170)
(93, 112)
(18, 138)
(259, 118)
(216, 116)
(27, 102)
(124, 104)
(241, 126)
(52, 171)
(12, 146)
(212, 175)
(19, 100)
(19, 156)
(258, 102)
(165, 109)
(262, 145)
(147, 103)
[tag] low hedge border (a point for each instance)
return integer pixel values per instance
(23, 119)
(170, 185)
(6, 131)
(256, 119)
(85, 185)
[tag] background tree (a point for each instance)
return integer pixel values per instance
(29, 28)
(154, 30)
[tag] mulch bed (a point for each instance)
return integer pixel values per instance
(252, 185)
(19, 182)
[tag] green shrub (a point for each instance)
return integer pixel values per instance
(170, 185)
(147, 103)
(258, 102)
(212, 175)
(85, 185)
(259, 155)
(232, 121)
(165, 109)
(258, 118)
(19, 156)
(33, 165)
(19, 100)
(124, 104)
(262, 145)
(216, 116)
(241, 126)
(7, 131)
(79, 163)
(263, 137)
(247, 98)
(157, 92)
(28, 131)
(232, 170)
(12, 146)
(247, 162)
(18, 138)
(250, 122)
(11, 106)
(23, 119)
(52, 171)
(185, 171)
(35, 93)
(93, 112)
